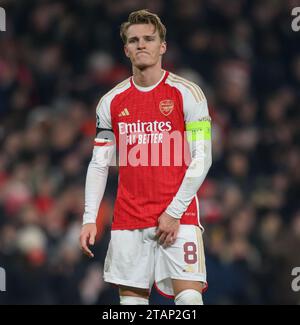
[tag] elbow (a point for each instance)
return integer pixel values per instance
(98, 166)
(199, 167)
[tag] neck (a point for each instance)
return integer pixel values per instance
(147, 77)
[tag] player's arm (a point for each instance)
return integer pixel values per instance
(199, 140)
(198, 127)
(96, 179)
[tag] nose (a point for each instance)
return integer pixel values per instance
(141, 44)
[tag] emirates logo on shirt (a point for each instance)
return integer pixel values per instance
(166, 106)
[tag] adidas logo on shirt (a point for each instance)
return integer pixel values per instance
(124, 112)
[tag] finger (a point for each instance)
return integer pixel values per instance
(169, 240)
(162, 238)
(158, 233)
(88, 252)
(175, 234)
(85, 248)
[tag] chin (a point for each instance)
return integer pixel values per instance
(143, 64)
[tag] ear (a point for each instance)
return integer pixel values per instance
(126, 50)
(163, 48)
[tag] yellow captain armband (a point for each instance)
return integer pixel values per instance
(198, 130)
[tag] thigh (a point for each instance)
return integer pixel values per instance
(180, 285)
(183, 261)
(133, 292)
(130, 259)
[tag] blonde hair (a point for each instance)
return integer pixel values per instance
(143, 16)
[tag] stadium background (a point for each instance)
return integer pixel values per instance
(57, 59)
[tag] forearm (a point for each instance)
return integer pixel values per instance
(96, 180)
(193, 179)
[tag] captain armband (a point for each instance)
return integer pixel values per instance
(199, 130)
(104, 137)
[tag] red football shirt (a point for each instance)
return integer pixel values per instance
(151, 167)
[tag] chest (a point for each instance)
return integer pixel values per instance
(159, 107)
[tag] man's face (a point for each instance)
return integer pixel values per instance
(144, 47)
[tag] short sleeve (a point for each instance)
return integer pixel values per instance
(194, 104)
(103, 116)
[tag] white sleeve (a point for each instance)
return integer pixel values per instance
(97, 173)
(96, 179)
(197, 119)
(103, 114)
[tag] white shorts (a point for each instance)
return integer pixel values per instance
(135, 259)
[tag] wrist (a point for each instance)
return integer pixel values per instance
(172, 213)
(88, 222)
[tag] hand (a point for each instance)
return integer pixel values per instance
(167, 230)
(87, 237)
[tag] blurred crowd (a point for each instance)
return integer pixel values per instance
(57, 58)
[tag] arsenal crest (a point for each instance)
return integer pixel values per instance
(166, 106)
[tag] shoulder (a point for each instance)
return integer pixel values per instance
(187, 88)
(109, 96)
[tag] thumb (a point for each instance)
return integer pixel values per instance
(92, 239)
(176, 232)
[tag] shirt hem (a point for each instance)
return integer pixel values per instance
(148, 225)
